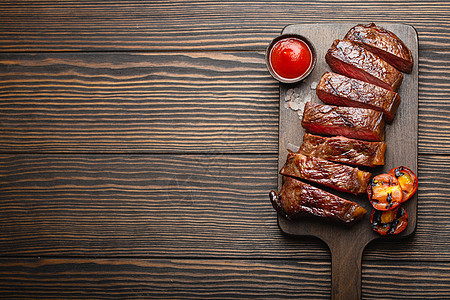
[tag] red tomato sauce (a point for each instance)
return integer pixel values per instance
(290, 58)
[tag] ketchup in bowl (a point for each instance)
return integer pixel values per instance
(290, 58)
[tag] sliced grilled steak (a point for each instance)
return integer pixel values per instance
(344, 150)
(383, 43)
(339, 177)
(351, 122)
(351, 59)
(297, 197)
(341, 90)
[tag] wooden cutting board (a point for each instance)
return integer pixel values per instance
(347, 243)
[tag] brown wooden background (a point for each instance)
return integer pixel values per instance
(139, 140)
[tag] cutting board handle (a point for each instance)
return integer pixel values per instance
(346, 259)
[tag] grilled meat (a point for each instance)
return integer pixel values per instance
(344, 150)
(297, 197)
(351, 59)
(383, 43)
(338, 89)
(351, 122)
(339, 177)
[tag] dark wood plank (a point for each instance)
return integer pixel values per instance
(168, 103)
(22, 278)
(434, 102)
(207, 205)
(165, 102)
(406, 280)
(174, 25)
(178, 206)
(162, 279)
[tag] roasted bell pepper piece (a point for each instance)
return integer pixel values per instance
(384, 192)
(407, 180)
(389, 222)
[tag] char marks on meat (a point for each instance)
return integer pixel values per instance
(297, 197)
(339, 177)
(344, 150)
(341, 90)
(352, 60)
(368, 63)
(351, 122)
(383, 43)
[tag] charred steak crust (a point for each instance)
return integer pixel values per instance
(341, 90)
(352, 60)
(383, 43)
(351, 122)
(344, 150)
(339, 177)
(297, 197)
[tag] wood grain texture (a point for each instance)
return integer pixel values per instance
(165, 102)
(22, 278)
(210, 205)
(162, 279)
(179, 206)
(156, 153)
(406, 280)
(214, 102)
(434, 102)
(200, 25)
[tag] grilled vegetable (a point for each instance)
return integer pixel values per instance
(407, 180)
(384, 192)
(389, 222)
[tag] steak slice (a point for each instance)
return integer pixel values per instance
(341, 90)
(351, 59)
(297, 197)
(344, 150)
(339, 177)
(351, 122)
(383, 43)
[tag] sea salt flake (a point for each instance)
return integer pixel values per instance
(294, 105)
(292, 147)
(289, 95)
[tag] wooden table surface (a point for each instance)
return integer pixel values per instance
(139, 141)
